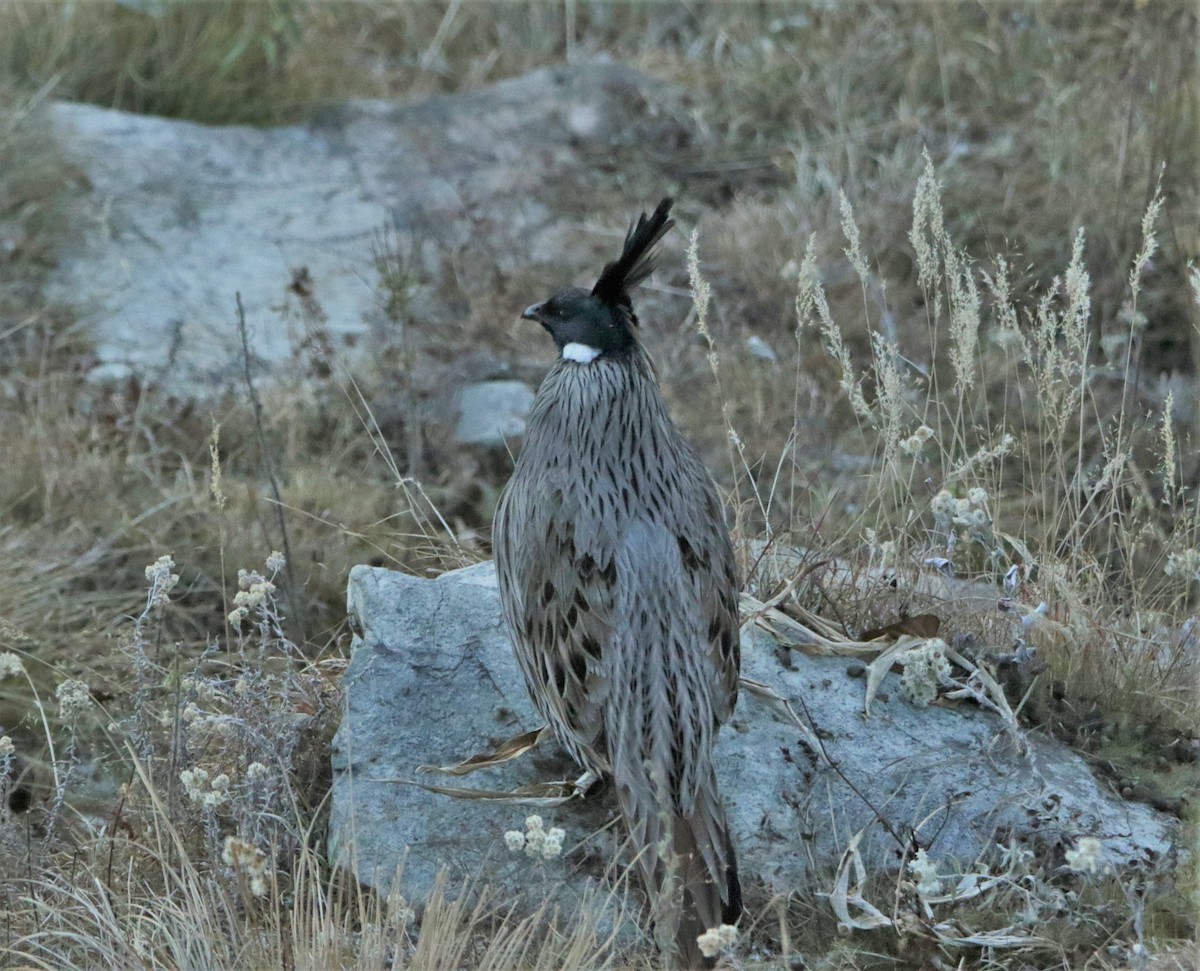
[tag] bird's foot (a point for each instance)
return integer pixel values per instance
(587, 783)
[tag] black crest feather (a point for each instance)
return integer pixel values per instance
(635, 262)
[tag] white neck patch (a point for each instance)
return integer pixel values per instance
(580, 353)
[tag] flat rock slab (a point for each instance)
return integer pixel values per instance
(432, 680)
(491, 412)
(180, 217)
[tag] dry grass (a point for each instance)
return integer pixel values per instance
(953, 297)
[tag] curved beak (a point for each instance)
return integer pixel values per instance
(532, 312)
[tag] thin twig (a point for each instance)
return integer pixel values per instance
(265, 455)
(905, 845)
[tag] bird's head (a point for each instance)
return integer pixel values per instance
(586, 324)
(582, 325)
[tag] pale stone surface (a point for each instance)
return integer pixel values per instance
(433, 680)
(180, 217)
(492, 412)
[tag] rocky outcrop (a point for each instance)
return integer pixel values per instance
(491, 412)
(432, 680)
(463, 190)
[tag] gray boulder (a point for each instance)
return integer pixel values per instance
(491, 412)
(468, 188)
(432, 680)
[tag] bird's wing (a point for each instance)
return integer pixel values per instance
(560, 602)
(710, 572)
(677, 636)
(586, 599)
(676, 628)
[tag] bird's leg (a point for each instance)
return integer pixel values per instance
(585, 782)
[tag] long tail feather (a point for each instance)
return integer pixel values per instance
(706, 903)
(694, 886)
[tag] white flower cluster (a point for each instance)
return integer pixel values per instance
(249, 861)
(10, 665)
(6, 747)
(924, 668)
(716, 939)
(162, 581)
(884, 552)
(201, 688)
(1085, 857)
(997, 451)
(536, 840)
(915, 443)
(399, 913)
(276, 561)
(204, 729)
(1185, 565)
(201, 790)
(254, 593)
(73, 697)
(921, 867)
(972, 511)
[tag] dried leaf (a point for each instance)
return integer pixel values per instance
(922, 625)
(814, 637)
(505, 752)
(878, 668)
(989, 695)
(544, 794)
(996, 938)
(843, 895)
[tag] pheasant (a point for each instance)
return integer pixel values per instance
(619, 589)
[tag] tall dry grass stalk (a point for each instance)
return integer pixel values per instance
(208, 855)
(1014, 448)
